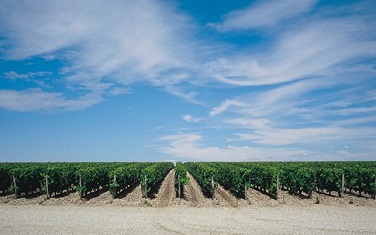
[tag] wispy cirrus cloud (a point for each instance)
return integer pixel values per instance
(315, 48)
(265, 102)
(38, 100)
(263, 13)
(121, 43)
(296, 117)
(190, 147)
(108, 45)
(310, 78)
(276, 80)
(224, 106)
(190, 96)
(190, 118)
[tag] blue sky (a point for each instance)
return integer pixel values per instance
(187, 80)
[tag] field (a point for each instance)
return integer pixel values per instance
(109, 219)
(134, 199)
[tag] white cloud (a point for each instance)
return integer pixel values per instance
(38, 78)
(250, 123)
(188, 96)
(120, 91)
(324, 44)
(264, 13)
(283, 98)
(38, 100)
(125, 41)
(354, 121)
(276, 145)
(188, 146)
(13, 75)
(225, 106)
(314, 48)
(309, 114)
(106, 47)
(190, 118)
(351, 111)
(275, 136)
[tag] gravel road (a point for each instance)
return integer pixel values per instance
(111, 219)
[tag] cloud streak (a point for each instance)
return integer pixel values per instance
(150, 42)
(187, 146)
(315, 48)
(190, 118)
(273, 78)
(264, 14)
(38, 100)
(121, 43)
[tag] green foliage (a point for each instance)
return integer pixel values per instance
(203, 173)
(26, 180)
(330, 179)
(125, 176)
(5, 177)
(181, 177)
(369, 180)
(92, 178)
(60, 177)
(262, 176)
(152, 175)
(298, 178)
(230, 176)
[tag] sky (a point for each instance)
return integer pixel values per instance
(215, 80)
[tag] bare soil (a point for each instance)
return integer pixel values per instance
(130, 197)
(223, 197)
(166, 193)
(193, 193)
(110, 219)
(256, 197)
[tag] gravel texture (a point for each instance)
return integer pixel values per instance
(166, 192)
(193, 194)
(252, 219)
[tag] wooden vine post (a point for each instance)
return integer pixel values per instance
(343, 184)
(116, 192)
(48, 194)
(15, 186)
(212, 184)
(276, 193)
(179, 190)
(245, 190)
(81, 191)
(145, 188)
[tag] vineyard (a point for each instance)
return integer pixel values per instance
(216, 181)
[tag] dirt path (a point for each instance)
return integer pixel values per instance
(130, 197)
(193, 193)
(256, 197)
(166, 192)
(110, 219)
(101, 197)
(224, 197)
